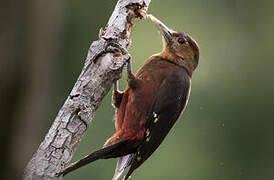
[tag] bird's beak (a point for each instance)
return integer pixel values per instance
(164, 30)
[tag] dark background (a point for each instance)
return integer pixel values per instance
(226, 131)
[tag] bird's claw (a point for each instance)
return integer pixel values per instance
(116, 95)
(128, 66)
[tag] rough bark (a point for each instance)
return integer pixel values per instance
(100, 70)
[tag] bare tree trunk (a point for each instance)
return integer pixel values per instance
(94, 82)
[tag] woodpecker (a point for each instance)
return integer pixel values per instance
(151, 103)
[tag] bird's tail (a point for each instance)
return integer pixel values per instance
(122, 164)
(112, 151)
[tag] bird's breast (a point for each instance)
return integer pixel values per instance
(132, 114)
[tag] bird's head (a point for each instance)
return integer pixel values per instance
(178, 47)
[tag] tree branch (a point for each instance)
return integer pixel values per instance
(100, 70)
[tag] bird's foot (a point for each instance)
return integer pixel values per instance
(116, 95)
(131, 79)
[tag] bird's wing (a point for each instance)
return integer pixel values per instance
(169, 102)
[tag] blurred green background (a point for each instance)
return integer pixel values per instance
(226, 131)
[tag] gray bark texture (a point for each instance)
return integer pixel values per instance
(100, 70)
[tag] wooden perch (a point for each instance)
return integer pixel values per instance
(102, 67)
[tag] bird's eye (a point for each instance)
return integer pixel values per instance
(181, 40)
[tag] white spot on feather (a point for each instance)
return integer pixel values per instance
(147, 133)
(155, 115)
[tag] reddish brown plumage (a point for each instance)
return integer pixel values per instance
(131, 116)
(151, 103)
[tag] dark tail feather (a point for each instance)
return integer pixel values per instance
(104, 153)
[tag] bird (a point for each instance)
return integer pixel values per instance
(152, 102)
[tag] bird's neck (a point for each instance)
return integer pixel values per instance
(187, 64)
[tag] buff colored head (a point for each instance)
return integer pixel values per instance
(178, 47)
